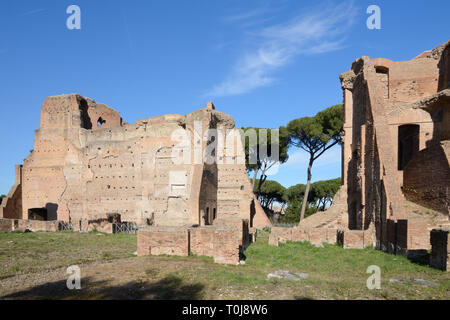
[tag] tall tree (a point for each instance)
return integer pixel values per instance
(316, 135)
(293, 196)
(271, 191)
(264, 148)
(322, 192)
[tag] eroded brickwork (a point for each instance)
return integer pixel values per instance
(8, 225)
(395, 145)
(87, 163)
(163, 240)
(224, 243)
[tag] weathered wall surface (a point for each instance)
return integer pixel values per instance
(395, 129)
(427, 177)
(88, 163)
(11, 205)
(223, 242)
(163, 240)
(8, 225)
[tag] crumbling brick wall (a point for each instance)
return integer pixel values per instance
(427, 178)
(11, 205)
(222, 243)
(315, 236)
(440, 249)
(355, 239)
(88, 162)
(6, 225)
(163, 240)
(382, 155)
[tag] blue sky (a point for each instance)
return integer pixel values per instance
(263, 62)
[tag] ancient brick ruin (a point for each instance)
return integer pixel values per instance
(90, 169)
(395, 153)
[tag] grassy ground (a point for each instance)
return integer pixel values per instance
(33, 265)
(33, 252)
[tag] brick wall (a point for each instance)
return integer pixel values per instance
(296, 234)
(223, 243)
(202, 240)
(226, 245)
(405, 236)
(35, 225)
(426, 178)
(440, 249)
(279, 234)
(6, 225)
(241, 224)
(355, 239)
(163, 240)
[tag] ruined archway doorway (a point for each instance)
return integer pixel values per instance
(39, 214)
(408, 143)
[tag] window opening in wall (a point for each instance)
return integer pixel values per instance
(39, 214)
(383, 76)
(408, 143)
(207, 216)
(100, 122)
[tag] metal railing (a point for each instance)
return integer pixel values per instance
(125, 227)
(65, 226)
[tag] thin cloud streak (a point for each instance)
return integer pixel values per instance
(315, 32)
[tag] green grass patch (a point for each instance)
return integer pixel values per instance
(37, 251)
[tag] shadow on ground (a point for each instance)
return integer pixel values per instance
(168, 288)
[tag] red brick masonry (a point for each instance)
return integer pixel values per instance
(223, 243)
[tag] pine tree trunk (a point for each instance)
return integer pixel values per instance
(254, 178)
(308, 185)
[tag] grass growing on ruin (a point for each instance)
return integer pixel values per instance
(110, 270)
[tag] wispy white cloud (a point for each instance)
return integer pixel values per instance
(319, 31)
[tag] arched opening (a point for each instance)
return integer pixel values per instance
(408, 143)
(100, 122)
